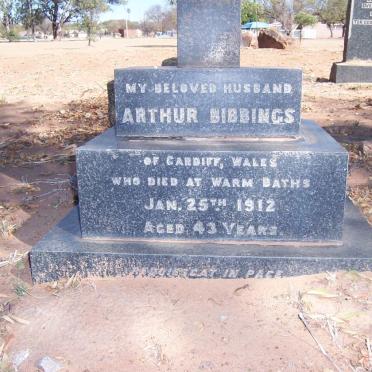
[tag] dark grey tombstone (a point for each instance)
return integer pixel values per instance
(63, 253)
(208, 33)
(358, 40)
(213, 190)
(208, 208)
(208, 102)
(356, 66)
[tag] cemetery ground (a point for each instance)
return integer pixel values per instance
(52, 99)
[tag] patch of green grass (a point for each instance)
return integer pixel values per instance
(20, 265)
(20, 289)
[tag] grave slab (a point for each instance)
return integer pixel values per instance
(63, 253)
(207, 102)
(346, 72)
(213, 190)
(208, 33)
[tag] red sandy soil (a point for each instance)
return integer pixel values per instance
(52, 98)
(192, 325)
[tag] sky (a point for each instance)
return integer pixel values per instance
(137, 9)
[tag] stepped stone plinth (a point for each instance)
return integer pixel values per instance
(208, 173)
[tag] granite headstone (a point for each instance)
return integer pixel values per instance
(229, 191)
(206, 102)
(356, 66)
(208, 33)
(358, 43)
(171, 205)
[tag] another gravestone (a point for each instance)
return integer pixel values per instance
(187, 184)
(357, 62)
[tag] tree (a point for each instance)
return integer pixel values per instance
(170, 19)
(158, 19)
(59, 12)
(7, 14)
(45, 26)
(89, 11)
(114, 25)
(284, 11)
(332, 12)
(304, 19)
(155, 15)
(8, 20)
(147, 27)
(30, 14)
(251, 11)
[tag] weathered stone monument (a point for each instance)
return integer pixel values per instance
(356, 66)
(208, 173)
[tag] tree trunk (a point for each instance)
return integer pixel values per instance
(32, 19)
(89, 32)
(55, 30)
(330, 29)
(6, 23)
(55, 24)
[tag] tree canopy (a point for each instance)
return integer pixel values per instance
(252, 12)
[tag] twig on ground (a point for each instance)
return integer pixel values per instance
(369, 350)
(321, 348)
(47, 194)
(13, 258)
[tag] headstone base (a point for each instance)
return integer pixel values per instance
(199, 190)
(63, 253)
(347, 72)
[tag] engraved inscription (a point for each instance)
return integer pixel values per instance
(212, 102)
(365, 10)
(209, 272)
(216, 204)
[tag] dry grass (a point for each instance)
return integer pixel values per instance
(7, 229)
(25, 188)
(362, 197)
(341, 307)
(67, 128)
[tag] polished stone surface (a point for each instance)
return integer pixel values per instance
(358, 37)
(345, 72)
(357, 62)
(62, 253)
(208, 33)
(213, 190)
(208, 102)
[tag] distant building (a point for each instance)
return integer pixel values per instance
(132, 33)
(75, 34)
(318, 31)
